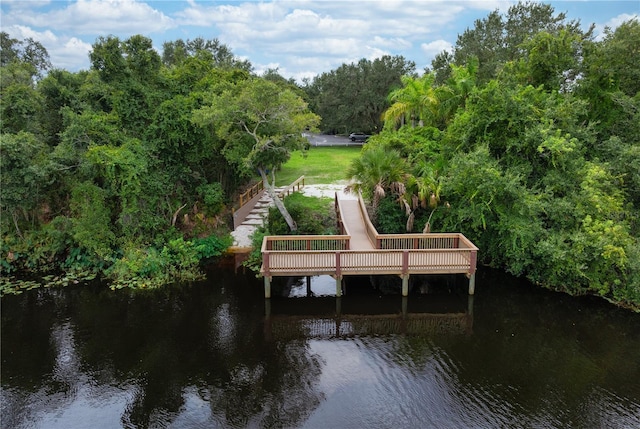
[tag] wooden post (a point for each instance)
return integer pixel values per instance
(405, 273)
(404, 306)
(267, 309)
(267, 319)
(405, 285)
(338, 286)
(267, 287)
(338, 315)
(472, 271)
(308, 285)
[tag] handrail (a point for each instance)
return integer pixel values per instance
(294, 187)
(338, 210)
(372, 232)
(246, 196)
(305, 242)
(341, 262)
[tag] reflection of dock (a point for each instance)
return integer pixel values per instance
(338, 323)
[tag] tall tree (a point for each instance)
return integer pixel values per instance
(26, 51)
(262, 123)
(24, 174)
(107, 57)
(215, 53)
(422, 102)
(411, 104)
(354, 96)
(22, 64)
(495, 40)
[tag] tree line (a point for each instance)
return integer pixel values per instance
(127, 170)
(524, 137)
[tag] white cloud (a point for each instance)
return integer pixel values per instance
(22, 32)
(330, 32)
(615, 22)
(68, 53)
(432, 49)
(99, 17)
(612, 24)
(71, 54)
(304, 37)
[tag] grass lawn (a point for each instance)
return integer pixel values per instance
(322, 165)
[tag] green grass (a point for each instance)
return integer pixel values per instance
(322, 165)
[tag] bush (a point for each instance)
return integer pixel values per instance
(390, 218)
(149, 267)
(213, 198)
(212, 246)
(313, 216)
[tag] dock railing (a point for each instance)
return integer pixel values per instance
(296, 255)
(399, 254)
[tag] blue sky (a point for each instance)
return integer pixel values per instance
(302, 38)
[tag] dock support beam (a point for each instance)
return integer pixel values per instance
(405, 285)
(338, 286)
(405, 302)
(472, 284)
(267, 287)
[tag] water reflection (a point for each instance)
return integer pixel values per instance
(216, 354)
(342, 317)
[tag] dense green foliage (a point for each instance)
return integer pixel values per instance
(526, 138)
(112, 170)
(314, 216)
(353, 97)
(265, 122)
(532, 152)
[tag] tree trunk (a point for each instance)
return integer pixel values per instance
(277, 201)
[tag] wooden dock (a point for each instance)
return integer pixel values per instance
(360, 250)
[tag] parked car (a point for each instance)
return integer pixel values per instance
(358, 137)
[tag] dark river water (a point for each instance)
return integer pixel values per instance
(215, 354)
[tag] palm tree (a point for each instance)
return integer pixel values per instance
(453, 94)
(413, 102)
(423, 191)
(376, 172)
(421, 101)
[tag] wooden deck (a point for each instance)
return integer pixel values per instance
(360, 250)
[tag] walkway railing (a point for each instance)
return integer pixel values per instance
(306, 242)
(294, 187)
(248, 199)
(247, 195)
(307, 257)
(372, 233)
(400, 254)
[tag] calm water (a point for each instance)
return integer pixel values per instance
(216, 355)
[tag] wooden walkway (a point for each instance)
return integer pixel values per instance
(354, 224)
(360, 250)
